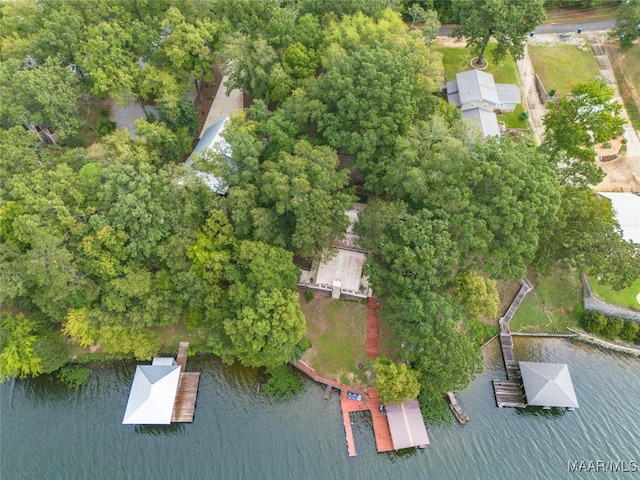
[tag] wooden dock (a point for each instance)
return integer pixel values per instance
(181, 358)
(373, 328)
(380, 423)
(509, 393)
(348, 405)
(185, 403)
(506, 342)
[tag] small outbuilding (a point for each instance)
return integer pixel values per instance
(548, 385)
(406, 425)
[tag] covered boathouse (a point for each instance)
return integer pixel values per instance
(406, 425)
(548, 385)
(162, 393)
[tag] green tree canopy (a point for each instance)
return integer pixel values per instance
(45, 95)
(576, 125)
(508, 21)
(395, 382)
(18, 356)
(627, 28)
(586, 236)
(478, 295)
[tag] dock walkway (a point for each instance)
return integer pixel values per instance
(369, 401)
(185, 402)
(508, 392)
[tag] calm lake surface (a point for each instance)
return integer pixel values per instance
(50, 432)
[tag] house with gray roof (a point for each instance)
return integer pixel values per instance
(477, 95)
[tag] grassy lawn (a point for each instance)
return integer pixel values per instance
(554, 304)
(625, 297)
(456, 59)
(513, 119)
(561, 67)
(337, 330)
(172, 335)
(626, 68)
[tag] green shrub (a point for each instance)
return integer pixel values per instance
(613, 328)
(52, 349)
(74, 376)
(594, 321)
(309, 295)
(524, 116)
(552, 92)
(283, 382)
(630, 331)
(304, 344)
(105, 127)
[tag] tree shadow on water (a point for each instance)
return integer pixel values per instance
(160, 430)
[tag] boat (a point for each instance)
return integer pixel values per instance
(461, 417)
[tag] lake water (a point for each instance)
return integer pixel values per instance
(50, 432)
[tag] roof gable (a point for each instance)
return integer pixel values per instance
(476, 86)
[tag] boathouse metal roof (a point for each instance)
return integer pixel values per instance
(152, 396)
(548, 385)
(406, 425)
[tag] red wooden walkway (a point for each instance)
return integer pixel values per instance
(380, 423)
(370, 401)
(373, 328)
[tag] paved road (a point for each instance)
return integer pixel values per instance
(445, 31)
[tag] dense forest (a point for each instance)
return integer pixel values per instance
(101, 243)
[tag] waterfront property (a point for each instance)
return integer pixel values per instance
(162, 393)
(545, 384)
(396, 426)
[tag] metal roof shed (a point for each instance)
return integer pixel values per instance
(152, 396)
(212, 139)
(407, 425)
(548, 385)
